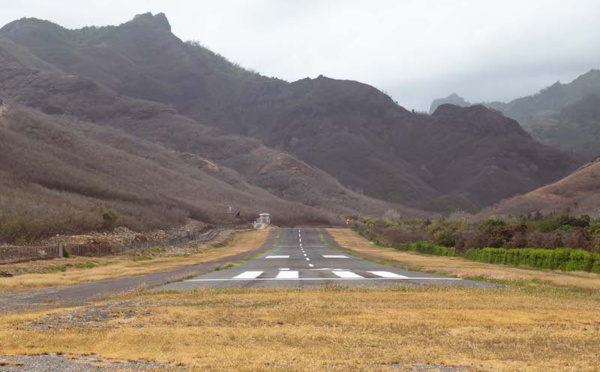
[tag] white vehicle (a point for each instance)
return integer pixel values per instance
(264, 220)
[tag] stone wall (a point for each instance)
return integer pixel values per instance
(21, 254)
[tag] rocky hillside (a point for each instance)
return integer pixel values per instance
(310, 141)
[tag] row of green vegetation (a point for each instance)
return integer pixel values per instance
(565, 259)
(556, 242)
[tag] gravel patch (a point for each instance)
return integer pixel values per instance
(111, 315)
(75, 363)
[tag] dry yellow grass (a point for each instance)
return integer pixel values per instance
(251, 330)
(460, 267)
(125, 266)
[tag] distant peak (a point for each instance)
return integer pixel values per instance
(452, 99)
(23, 22)
(159, 20)
(477, 118)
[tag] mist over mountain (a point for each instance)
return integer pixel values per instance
(551, 99)
(452, 99)
(564, 116)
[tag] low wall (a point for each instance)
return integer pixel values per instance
(21, 254)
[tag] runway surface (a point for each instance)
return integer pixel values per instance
(301, 259)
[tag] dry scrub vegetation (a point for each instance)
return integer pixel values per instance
(67, 271)
(329, 328)
(463, 268)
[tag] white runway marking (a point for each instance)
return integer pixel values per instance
(307, 259)
(284, 268)
(311, 265)
(387, 274)
(321, 279)
(283, 256)
(248, 275)
(347, 275)
(334, 256)
(287, 275)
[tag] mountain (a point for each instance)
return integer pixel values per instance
(72, 148)
(575, 127)
(578, 193)
(453, 99)
(564, 116)
(551, 99)
(456, 159)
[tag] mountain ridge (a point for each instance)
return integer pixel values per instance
(309, 142)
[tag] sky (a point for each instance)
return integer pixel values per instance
(414, 50)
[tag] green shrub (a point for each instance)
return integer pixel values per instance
(427, 248)
(565, 259)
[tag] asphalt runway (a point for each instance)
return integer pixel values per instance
(301, 259)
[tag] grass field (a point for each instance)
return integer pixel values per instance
(543, 327)
(326, 329)
(463, 268)
(67, 271)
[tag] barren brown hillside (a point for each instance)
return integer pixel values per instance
(74, 148)
(579, 193)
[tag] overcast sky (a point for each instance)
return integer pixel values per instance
(415, 50)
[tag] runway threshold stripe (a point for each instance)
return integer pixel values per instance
(324, 279)
(248, 275)
(387, 274)
(287, 275)
(347, 274)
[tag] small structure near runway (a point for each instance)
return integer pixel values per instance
(263, 221)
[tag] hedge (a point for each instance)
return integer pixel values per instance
(427, 248)
(565, 259)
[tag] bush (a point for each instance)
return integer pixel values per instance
(445, 238)
(565, 259)
(427, 248)
(109, 219)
